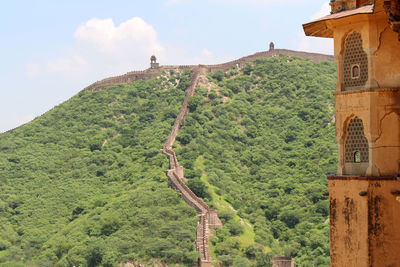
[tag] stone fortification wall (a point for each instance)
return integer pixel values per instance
(189, 197)
(135, 76)
(126, 78)
(155, 72)
(208, 218)
(184, 109)
(282, 262)
(266, 54)
(313, 56)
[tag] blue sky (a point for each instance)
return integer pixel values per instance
(50, 50)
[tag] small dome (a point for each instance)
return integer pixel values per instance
(153, 57)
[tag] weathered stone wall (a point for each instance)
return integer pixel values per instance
(364, 220)
(282, 262)
(135, 76)
(208, 218)
(381, 128)
(152, 73)
(184, 109)
(266, 54)
(365, 195)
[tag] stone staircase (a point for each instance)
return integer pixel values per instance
(207, 217)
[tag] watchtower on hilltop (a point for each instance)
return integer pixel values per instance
(153, 62)
(271, 46)
(364, 196)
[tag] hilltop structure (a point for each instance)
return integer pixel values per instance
(365, 194)
(271, 46)
(156, 70)
(208, 218)
(153, 62)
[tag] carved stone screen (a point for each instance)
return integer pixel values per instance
(354, 55)
(356, 147)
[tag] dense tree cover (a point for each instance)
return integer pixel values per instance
(266, 135)
(85, 184)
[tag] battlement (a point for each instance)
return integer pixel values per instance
(208, 217)
(267, 54)
(154, 72)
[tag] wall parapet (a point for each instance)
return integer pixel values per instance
(208, 218)
(132, 76)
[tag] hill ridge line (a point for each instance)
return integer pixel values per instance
(208, 218)
(147, 74)
(154, 72)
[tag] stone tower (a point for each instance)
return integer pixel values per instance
(271, 46)
(153, 62)
(364, 196)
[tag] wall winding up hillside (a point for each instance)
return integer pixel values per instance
(208, 218)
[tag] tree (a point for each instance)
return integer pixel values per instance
(198, 187)
(218, 75)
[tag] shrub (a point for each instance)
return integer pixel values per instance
(218, 75)
(198, 187)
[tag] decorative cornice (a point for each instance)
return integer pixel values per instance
(370, 90)
(363, 178)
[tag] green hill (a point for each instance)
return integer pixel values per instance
(262, 140)
(85, 184)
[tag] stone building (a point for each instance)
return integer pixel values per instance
(364, 196)
(271, 46)
(153, 62)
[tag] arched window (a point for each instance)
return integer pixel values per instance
(357, 157)
(356, 146)
(355, 71)
(355, 62)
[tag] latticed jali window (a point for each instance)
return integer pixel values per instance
(356, 147)
(355, 61)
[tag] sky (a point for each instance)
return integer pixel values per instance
(52, 49)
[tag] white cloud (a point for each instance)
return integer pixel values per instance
(103, 48)
(108, 38)
(313, 44)
(324, 10)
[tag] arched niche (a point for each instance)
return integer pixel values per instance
(355, 62)
(356, 148)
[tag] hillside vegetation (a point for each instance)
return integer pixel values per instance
(257, 145)
(85, 184)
